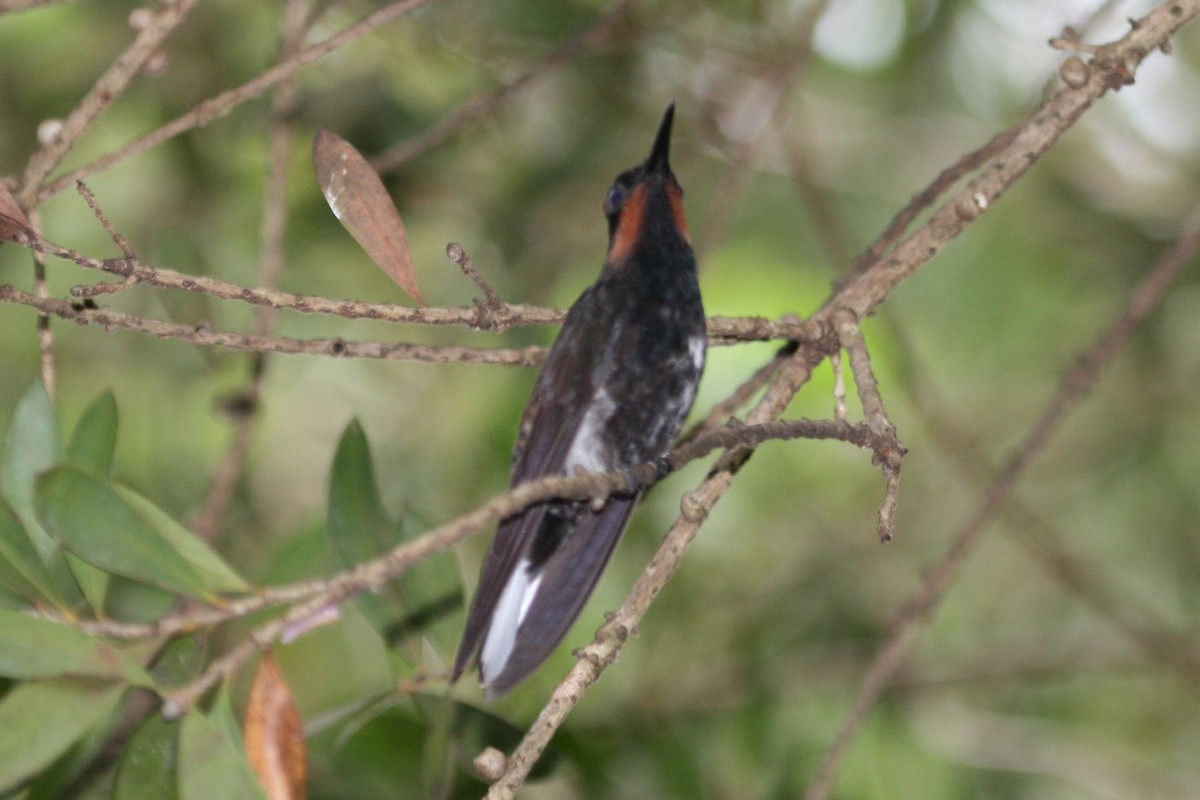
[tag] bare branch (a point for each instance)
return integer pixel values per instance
(456, 253)
(1074, 386)
(485, 103)
(82, 314)
(889, 459)
(208, 520)
(8, 6)
(373, 575)
(721, 330)
(45, 334)
(111, 85)
(779, 78)
(216, 107)
(862, 294)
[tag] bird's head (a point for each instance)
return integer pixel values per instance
(646, 200)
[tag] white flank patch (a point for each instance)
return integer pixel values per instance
(588, 449)
(696, 348)
(510, 610)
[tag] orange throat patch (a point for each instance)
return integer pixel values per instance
(629, 229)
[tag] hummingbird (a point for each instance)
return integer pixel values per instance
(613, 393)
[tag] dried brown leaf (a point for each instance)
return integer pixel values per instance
(275, 735)
(363, 206)
(13, 221)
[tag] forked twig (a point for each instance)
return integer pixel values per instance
(1075, 384)
(861, 294)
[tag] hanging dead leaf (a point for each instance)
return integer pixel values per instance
(275, 736)
(13, 221)
(363, 206)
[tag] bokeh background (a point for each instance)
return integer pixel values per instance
(800, 131)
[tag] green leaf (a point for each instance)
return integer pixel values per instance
(40, 721)
(359, 529)
(211, 764)
(10, 599)
(91, 581)
(472, 729)
(148, 766)
(21, 567)
(437, 751)
(91, 449)
(221, 715)
(31, 445)
(183, 659)
(423, 601)
(217, 575)
(434, 601)
(32, 647)
(95, 437)
(57, 780)
(93, 521)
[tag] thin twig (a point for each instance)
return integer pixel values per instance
(8, 6)
(1044, 542)
(45, 334)
(206, 523)
(111, 85)
(374, 574)
(221, 105)
(1074, 386)
(456, 253)
(483, 104)
(723, 411)
(840, 410)
(202, 335)
(498, 317)
(778, 82)
(818, 200)
(928, 196)
(889, 460)
(86, 313)
(371, 576)
(117, 237)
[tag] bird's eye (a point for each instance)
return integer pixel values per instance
(614, 199)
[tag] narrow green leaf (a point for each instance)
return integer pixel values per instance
(95, 437)
(433, 601)
(31, 445)
(221, 715)
(93, 521)
(91, 581)
(216, 574)
(40, 721)
(10, 599)
(359, 529)
(148, 766)
(55, 780)
(211, 764)
(437, 752)
(472, 729)
(91, 449)
(32, 647)
(21, 567)
(423, 602)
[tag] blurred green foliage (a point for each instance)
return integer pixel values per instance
(1022, 685)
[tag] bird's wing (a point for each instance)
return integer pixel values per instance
(564, 392)
(565, 584)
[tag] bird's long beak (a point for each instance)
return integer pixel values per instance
(659, 154)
